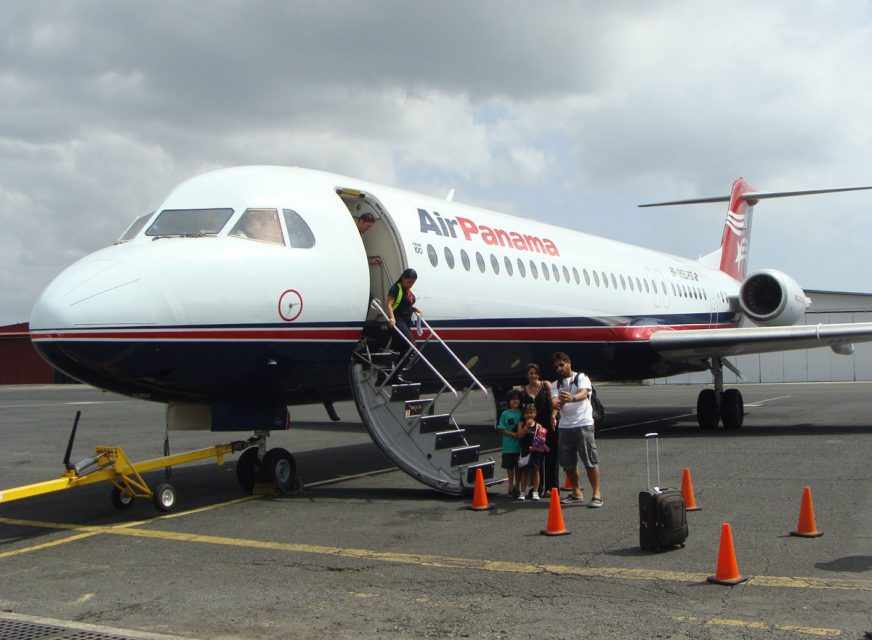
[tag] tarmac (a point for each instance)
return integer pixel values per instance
(367, 552)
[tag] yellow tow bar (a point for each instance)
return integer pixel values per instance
(111, 464)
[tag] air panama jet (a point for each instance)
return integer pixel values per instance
(250, 289)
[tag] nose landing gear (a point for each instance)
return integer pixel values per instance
(275, 467)
(716, 405)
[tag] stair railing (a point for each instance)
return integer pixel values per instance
(412, 349)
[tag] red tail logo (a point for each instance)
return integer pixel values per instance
(736, 240)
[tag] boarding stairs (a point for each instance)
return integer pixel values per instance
(429, 446)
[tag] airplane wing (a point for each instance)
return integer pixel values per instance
(702, 343)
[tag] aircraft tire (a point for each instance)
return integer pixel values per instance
(164, 497)
(707, 415)
(121, 500)
(281, 469)
(248, 467)
(732, 409)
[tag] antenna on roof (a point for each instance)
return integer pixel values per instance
(450, 196)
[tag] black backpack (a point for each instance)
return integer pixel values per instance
(599, 410)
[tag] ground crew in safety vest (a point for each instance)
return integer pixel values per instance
(401, 302)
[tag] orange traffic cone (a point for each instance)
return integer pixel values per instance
(687, 491)
(806, 526)
(727, 571)
(555, 526)
(479, 494)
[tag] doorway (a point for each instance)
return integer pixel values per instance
(384, 251)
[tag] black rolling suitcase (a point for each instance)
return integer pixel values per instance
(662, 512)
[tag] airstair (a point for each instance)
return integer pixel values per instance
(429, 446)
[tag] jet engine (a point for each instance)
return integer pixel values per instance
(772, 298)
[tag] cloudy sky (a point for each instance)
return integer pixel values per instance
(570, 113)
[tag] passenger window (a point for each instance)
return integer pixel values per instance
(300, 236)
(595, 277)
(508, 263)
(639, 285)
(479, 260)
(663, 288)
(647, 290)
(587, 277)
(630, 282)
(545, 273)
(575, 275)
(614, 281)
(556, 272)
(495, 264)
(431, 253)
(464, 258)
(673, 289)
(521, 268)
(259, 224)
(135, 227)
(449, 258)
(533, 270)
(605, 279)
(566, 275)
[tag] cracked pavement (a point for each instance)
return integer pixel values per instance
(820, 436)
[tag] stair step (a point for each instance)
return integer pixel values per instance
(406, 391)
(464, 455)
(449, 439)
(434, 424)
(488, 468)
(384, 358)
(415, 408)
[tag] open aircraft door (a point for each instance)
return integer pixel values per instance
(384, 251)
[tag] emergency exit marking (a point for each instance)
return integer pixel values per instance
(290, 305)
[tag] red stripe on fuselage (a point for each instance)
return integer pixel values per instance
(465, 334)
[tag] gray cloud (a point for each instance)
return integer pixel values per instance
(567, 112)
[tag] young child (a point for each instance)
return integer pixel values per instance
(537, 435)
(509, 422)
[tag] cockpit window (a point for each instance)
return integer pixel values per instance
(189, 223)
(259, 224)
(135, 227)
(299, 234)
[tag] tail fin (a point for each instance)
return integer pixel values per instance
(736, 239)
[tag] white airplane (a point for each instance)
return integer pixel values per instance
(250, 289)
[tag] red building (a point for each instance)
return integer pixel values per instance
(19, 361)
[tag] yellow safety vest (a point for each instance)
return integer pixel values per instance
(398, 299)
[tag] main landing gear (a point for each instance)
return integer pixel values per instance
(275, 467)
(717, 405)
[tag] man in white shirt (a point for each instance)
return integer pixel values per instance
(571, 396)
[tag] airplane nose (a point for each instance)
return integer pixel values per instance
(100, 290)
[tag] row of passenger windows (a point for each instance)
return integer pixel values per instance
(255, 224)
(551, 271)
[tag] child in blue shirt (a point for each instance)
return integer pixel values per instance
(510, 424)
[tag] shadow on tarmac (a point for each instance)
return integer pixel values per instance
(853, 564)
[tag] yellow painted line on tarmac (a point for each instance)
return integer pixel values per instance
(452, 562)
(209, 507)
(821, 632)
(90, 531)
(47, 545)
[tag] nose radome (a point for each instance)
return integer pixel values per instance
(99, 290)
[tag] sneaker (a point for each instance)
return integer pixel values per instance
(535, 496)
(521, 497)
(571, 499)
(595, 503)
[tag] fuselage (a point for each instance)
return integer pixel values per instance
(216, 317)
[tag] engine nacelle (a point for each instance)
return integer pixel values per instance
(772, 298)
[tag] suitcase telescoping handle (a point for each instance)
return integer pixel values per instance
(655, 437)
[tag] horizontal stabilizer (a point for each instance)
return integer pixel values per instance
(752, 197)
